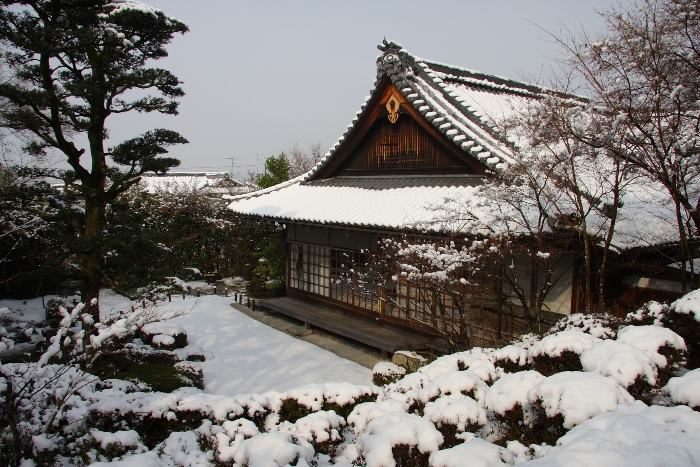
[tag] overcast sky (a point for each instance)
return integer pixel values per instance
(260, 76)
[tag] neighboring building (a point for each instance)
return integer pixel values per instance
(213, 184)
(425, 135)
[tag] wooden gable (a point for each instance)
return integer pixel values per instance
(392, 138)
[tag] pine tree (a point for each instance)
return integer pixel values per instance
(276, 171)
(71, 64)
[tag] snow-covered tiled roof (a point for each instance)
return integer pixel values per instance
(392, 202)
(463, 104)
(185, 181)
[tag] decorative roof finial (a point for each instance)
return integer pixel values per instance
(386, 45)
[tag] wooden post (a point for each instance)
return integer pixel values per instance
(235, 297)
(248, 302)
(183, 295)
(199, 293)
(170, 297)
(226, 291)
(144, 303)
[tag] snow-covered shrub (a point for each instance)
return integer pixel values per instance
(651, 313)
(475, 453)
(665, 348)
(508, 403)
(275, 449)
(465, 383)
(600, 325)
(511, 358)
(162, 334)
(42, 411)
(560, 351)
(631, 435)
(685, 389)
(384, 373)
(398, 439)
(105, 446)
(339, 397)
(322, 429)
(569, 398)
(684, 319)
(455, 414)
(365, 412)
(631, 367)
(192, 373)
(52, 308)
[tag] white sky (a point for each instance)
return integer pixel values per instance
(262, 75)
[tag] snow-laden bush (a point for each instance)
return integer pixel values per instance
(478, 453)
(322, 429)
(274, 449)
(631, 367)
(665, 348)
(578, 396)
(398, 439)
(453, 415)
(511, 358)
(384, 373)
(454, 382)
(560, 351)
(602, 326)
(685, 389)
(340, 397)
(631, 435)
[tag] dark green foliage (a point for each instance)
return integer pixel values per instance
(160, 377)
(345, 410)
(409, 456)
(539, 429)
(567, 361)
(161, 235)
(256, 288)
(382, 380)
(686, 326)
(449, 433)
(509, 366)
(641, 390)
(276, 171)
(33, 251)
(676, 359)
(272, 259)
(543, 429)
(291, 410)
(180, 341)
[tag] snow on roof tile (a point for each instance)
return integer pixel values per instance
(381, 202)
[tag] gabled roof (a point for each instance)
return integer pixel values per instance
(458, 105)
(462, 104)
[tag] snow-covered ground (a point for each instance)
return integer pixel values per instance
(243, 355)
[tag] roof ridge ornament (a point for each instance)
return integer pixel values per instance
(392, 106)
(385, 46)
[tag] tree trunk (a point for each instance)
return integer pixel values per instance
(91, 258)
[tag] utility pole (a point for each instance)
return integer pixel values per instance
(257, 166)
(233, 159)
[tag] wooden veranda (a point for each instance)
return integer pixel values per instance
(386, 338)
